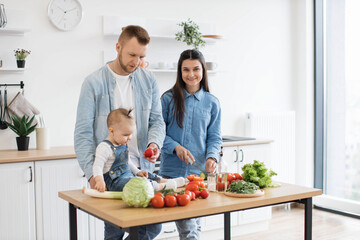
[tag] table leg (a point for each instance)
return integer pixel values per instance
(72, 222)
(308, 218)
(134, 233)
(227, 226)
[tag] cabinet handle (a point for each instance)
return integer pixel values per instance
(242, 155)
(236, 155)
(170, 231)
(30, 174)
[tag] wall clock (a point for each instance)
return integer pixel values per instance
(65, 14)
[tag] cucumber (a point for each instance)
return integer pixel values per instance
(203, 175)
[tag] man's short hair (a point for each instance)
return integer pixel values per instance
(118, 115)
(134, 31)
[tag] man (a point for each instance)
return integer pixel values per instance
(121, 83)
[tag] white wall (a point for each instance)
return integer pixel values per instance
(266, 60)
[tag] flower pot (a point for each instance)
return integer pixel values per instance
(23, 143)
(20, 63)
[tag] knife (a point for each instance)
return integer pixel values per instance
(197, 165)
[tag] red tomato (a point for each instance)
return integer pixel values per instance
(191, 177)
(149, 152)
(202, 185)
(192, 187)
(183, 199)
(170, 201)
(191, 194)
(204, 194)
(197, 193)
(158, 201)
(230, 177)
(196, 178)
(159, 194)
(237, 176)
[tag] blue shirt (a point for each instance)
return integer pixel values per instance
(200, 134)
(97, 100)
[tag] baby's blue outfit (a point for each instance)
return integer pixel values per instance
(118, 175)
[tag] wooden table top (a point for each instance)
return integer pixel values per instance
(11, 156)
(116, 211)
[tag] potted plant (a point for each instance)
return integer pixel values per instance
(22, 127)
(190, 34)
(20, 55)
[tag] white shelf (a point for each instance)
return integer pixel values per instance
(12, 70)
(158, 37)
(156, 70)
(13, 31)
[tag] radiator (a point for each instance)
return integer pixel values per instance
(280, 127)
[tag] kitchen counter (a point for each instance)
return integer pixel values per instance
(11, 156)
(68, 152)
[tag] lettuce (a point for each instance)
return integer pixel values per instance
(257, 173)
(138, 192)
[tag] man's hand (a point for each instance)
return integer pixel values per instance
(142, 174)
(156, 151)
(183, 154)
(92, 182)
(210, 165)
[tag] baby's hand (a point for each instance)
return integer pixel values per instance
(100, 184)
(142, 174)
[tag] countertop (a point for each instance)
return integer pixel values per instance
(68, 152)
(11, 156)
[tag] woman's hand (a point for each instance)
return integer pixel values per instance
(183, 154)
(210, 165)
(142, 174)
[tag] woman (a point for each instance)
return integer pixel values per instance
(192, 117)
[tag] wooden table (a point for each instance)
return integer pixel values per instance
(118, 214)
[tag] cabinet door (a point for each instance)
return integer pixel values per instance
(52, 212)
(230, 160)
(17, 208)
(249, 153)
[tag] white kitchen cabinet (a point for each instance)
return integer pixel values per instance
(17, 208)
(52, 213)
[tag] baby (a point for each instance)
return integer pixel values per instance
(111, 168)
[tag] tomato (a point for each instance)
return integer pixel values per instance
(192, 187)
(197, 193)
(230, 177)
(191, 194)
(158, 201)
(237, 176)
(175, 194)
(196, 178)
(191, 177)
(183, 199)
(149, 152)
(220, 186)
(170, 201)
(204, 194)
(159, 194)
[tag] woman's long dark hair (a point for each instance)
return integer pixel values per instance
(179, 87)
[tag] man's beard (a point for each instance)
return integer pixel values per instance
(123, 66)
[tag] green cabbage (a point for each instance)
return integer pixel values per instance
(257, 173)
(138, 192)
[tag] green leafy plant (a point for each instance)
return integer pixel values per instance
(21, 54)
(257, 173)
(190, 34)
(22, 127)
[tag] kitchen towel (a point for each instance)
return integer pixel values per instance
(20, 106)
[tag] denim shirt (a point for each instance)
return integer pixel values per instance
(201, 133)
(97, 100)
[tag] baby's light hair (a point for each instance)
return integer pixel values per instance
(117, 115)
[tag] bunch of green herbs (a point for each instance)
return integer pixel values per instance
(242, 187)
(257, 173)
